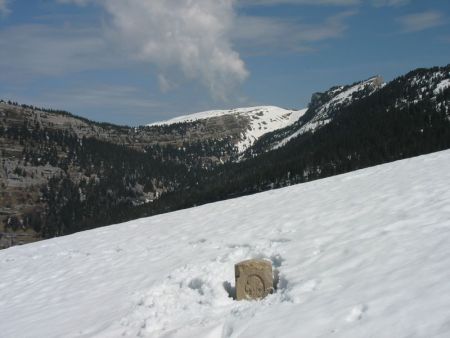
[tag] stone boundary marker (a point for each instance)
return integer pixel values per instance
(253, 279)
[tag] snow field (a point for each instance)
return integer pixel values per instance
(365, 254)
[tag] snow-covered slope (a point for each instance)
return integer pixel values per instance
(364, 254)
(262, 120)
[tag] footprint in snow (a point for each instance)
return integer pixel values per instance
(277, 260)
(280, 240)
(357, 313)
(197, 242)
(309, 286)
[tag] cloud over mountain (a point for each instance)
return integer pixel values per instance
(190, 37)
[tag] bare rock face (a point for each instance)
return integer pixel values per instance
(253, 279)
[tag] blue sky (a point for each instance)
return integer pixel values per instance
(138, 61)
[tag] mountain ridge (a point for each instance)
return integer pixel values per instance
(59, 177)
(319, 113)
(261, 120)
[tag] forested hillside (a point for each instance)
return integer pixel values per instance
(61, 174)
(408, 117)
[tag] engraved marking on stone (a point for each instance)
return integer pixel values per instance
(254, 287)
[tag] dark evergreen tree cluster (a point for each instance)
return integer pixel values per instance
(100, 182)
(197, 154)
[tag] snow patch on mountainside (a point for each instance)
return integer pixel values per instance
(346, 96)
(310, 126)
(262, 119)
(248, 111)
(441, 86)
(342, 96)
(426, 85)
(355, 255)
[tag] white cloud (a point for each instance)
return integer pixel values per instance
(191, 36)
(380, 3)
(164, 83)
(106, 96)
(78, 2)
(184, 39)
(268, 35)
(377, 3)
(421, 21)
(298, 2)
(4, 7)
(36, 50)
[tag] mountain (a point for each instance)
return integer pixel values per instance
(321, 111)
(254, 122)
(407, 117)
(61, 174)
(355, 255)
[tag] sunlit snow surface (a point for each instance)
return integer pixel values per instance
(366, 254)
(441, 86)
